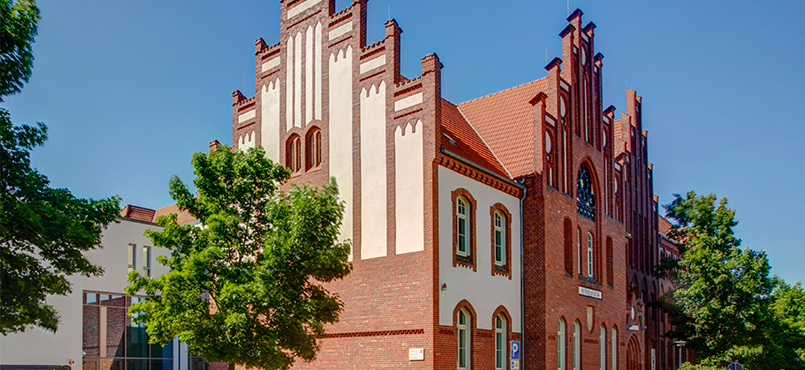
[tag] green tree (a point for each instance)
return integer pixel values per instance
(17, 31)
(724, 304)
(244, 284)
(43, 231)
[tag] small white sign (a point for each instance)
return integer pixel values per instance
(416, 354)
(515, 364)
(592, 293)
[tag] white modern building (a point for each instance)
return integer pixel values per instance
(95, 331)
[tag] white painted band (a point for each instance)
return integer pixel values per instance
(340, 30)
(270, 64)
(372, 64)
(305, 5)
(550, 121)
(407, 102)
(246, 116)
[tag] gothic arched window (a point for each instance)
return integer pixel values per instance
(585, 198)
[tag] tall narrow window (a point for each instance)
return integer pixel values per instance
(293, 153)
(614, 346)
(578, 249)
(500, 342)
(561, 340)
(500, 239)
(313, 148)
(602, 348)
(462, 223)
(463, 339)
(585, 197)
(147, 261)
(589, 255)
(132, 252)
(576, 345)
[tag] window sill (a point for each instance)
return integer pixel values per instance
(466, 260)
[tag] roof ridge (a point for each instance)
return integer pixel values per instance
(501, 91)
(482, 139)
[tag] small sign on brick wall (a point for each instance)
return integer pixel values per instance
(592, 293)
(416, 354)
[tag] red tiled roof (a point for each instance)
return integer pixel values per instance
(459, 137)
(137, 213)
(505, 120)
(663, 225)
(183, 216)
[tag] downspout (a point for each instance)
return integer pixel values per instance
(521, 182)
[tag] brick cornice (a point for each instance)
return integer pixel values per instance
(476, 173)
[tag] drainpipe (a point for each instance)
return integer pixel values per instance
(521, 182)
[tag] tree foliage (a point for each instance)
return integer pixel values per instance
(244, 283)
(17, 31)
(43, 231)
(727, 307)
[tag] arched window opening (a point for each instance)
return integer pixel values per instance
(602, 348)
(463, 339)
(500, 342)
(462, 223)
(500, 238)
(561, 340)
(313, 148)
(614, 347)
(293, 153)
(585, 198)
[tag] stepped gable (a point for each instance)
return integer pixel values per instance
(183, 216)
(505, 120)
(459, 137)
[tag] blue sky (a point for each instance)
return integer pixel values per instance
(131, 89)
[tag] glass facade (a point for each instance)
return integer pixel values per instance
(112, 341)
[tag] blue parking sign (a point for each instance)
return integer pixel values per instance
(515, 349)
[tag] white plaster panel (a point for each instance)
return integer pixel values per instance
(271, 64)
(409, 189)
(289, 85)
(340, 30)
(301, 7)
(309, 75)
(297, 81)
(243, 117)
(317, 72)
(408, 102)
(246, 141)
(270, 115)
(373, 171)
(340, 132)
(373, 63)
(484, 291)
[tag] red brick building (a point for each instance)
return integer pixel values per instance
(504, 218)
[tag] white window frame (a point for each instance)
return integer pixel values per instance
(463, 332)
(614, 346)
(602, 348)
(132, 257)
(500, 342)
(590, 255)
(576, 345)
(560, 341)
(500, 228)
(462, 202)
(147, 260)
(578, 248)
